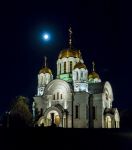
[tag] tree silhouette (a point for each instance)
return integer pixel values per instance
(20, 115)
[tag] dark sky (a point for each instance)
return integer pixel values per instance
(102, 30)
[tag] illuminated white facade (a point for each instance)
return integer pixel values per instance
(75, 98)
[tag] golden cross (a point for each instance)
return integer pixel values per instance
(93, 66)
(70, 38)
(45, 61)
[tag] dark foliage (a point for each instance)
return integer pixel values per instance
(20, 115)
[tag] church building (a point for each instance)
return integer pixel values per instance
(76, 97)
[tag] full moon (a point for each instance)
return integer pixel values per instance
(46, 37)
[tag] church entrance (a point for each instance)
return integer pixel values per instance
(52, 119)
(54, 116)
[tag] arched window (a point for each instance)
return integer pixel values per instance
(60, 68)
(41, 80)
(77, 111)
(77, 76)
(61, 96)
(54, 97)
(41, 111)
(57, 95)
(70, 66)
(64, 67)
(81, 74)
(93, 111)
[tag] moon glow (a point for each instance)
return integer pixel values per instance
(46, 36)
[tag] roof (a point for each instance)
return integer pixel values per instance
(110, 111)
(96, 88)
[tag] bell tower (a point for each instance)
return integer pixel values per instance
(44, 77)
(79, 75)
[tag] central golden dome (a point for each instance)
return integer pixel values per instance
(45, 70)
(69, 53)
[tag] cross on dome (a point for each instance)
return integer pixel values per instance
(93, 66)
(45, 61)
(70, 37)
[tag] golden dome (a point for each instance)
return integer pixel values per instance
(45, 70)
(93, 75)
(80, 65)
(69, 53)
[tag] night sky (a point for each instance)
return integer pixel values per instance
(102, 30)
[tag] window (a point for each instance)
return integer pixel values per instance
(64, 67)
(61, 96)
(77, 75)
(60, 68)
(54, 97)
(93, 112)
(57, 95)
(70, 66)
(87, 112)
(81, 75)
(76, 111)
(41, 79)
(41, 111)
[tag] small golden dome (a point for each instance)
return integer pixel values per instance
(69, 53)
(45, 70)
(80, 65)
(93, 75)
